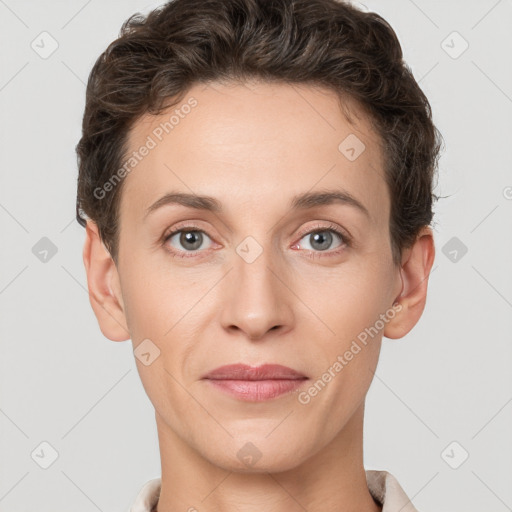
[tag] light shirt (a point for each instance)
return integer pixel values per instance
(383, 486)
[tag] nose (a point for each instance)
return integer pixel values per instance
(257, 298)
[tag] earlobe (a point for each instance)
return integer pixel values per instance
(103, 284)
(415, 271)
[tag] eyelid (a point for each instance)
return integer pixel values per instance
(182, 226)
(346, 237)
(185, 226)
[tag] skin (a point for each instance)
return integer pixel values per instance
(253, 147)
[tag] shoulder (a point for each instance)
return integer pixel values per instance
(386, 490)
(147, 497)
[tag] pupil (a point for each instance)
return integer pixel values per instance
(321, 237)
(188, 238)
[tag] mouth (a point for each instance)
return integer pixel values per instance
(255, 384)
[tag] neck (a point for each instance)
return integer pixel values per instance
(331, 480)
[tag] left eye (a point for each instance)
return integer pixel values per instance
(322, 239)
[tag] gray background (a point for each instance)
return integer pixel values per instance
(62, 382)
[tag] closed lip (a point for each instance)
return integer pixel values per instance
(246, 372)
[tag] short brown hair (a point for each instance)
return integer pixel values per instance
(328, 43)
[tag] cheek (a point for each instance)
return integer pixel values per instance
(146, 298)
(347, 357)
(156, 310)
(346, 300)
(163, 304)
(350, 305)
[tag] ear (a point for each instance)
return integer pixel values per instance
(415, 270)
(104, 286)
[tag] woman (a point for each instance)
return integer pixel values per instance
(256, 186)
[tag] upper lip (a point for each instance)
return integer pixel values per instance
(246, 372)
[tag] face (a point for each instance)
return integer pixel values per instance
(265, 271)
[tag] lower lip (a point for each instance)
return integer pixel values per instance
(257, 390)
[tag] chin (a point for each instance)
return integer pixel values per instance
(258, 456)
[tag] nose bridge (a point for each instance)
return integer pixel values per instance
(258, 299)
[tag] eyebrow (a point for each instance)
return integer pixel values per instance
(303, 201)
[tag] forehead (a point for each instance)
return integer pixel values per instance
(255, 144)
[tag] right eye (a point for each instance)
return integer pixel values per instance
(190, 239)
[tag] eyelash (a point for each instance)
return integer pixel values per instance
(346, 240)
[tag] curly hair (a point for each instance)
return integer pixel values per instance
(157, 58)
